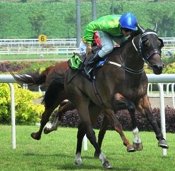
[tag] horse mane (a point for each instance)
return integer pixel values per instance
(133, 34)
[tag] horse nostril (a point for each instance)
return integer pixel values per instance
(157, 69)
(160, 66)
(163, 65)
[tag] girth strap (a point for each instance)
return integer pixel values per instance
(96, 92)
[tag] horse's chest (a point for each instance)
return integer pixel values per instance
(133, 92)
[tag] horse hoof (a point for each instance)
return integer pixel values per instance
(78, 162)
(163, 144)
(48, 130)
(130, 148)
(138, 146)
(35, 136)
(107, 165)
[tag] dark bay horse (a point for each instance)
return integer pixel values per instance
(120, 82)
(51, 78)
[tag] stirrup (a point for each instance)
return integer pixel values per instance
(88, 70)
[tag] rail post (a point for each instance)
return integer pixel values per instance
(13, 123)
(4, 78)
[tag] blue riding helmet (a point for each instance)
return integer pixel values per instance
(128, 21)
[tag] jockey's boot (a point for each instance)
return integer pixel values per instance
(91, 62)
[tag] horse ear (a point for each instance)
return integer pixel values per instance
(155, 27)
(140, 28)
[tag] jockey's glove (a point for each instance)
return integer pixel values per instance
(88, 49)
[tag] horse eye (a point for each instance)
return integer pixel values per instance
(146, 42)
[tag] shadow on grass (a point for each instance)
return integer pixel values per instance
(58, 155)
(89, 166)
(93, 162)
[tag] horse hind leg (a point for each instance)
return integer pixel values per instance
(51, 100)
(52, 125)
(83, 109)
(80, 134)
(44, 120)
(91, 136)
(78, 160)
(101, 133)
(65, 106)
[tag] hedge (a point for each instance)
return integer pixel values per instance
(29, 112)
(26, 110)
(71, 119)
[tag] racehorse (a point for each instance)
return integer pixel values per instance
(120, 82)
(55, 95)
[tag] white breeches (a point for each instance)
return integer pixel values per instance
(107, 43)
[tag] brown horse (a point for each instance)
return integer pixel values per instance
(55, 95)
(120, 82)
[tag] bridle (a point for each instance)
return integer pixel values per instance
(140, 49)
(141, 53)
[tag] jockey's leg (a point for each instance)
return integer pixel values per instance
(93, 59)
(107, 46)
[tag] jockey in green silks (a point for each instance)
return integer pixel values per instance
(112, 30)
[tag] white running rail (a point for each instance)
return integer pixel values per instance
(152, 78)
(57, 46)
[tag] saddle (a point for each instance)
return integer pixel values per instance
(77, 62)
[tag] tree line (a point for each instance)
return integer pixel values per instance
(58, 19)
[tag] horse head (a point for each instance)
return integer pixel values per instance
(150, 46)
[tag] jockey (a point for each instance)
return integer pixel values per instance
(112, 31)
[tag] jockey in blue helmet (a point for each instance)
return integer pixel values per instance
(128, 21)
(112, 31)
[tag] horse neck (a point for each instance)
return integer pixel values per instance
(131, 57)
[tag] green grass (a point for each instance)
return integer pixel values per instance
(56, 152)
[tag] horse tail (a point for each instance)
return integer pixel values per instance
(31, 79)
(55, 92)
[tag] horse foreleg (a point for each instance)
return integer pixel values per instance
(145, 108)
(137, 142)
(120, 102)
(130, 147)
(118, 128)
